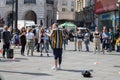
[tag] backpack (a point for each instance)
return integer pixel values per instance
(86, 73)
(16, 38)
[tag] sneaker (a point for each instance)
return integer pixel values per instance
(54, 68)
(59, 67)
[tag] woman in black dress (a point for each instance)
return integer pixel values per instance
(23, 40)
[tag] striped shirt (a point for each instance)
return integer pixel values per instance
(57, 38)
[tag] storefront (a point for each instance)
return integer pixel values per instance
(105, 19)
(106, 13)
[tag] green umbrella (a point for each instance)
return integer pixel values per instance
(67, 25)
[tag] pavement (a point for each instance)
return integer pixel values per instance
(102, 67)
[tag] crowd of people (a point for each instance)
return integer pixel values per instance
(40, 39)
(31, 39)
(103, 40)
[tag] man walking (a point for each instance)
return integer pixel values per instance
(57, 41)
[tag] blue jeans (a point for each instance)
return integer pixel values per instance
(43, 46)
(87, 45)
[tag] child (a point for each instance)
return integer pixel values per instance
(118, 44)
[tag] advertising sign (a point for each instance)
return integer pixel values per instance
(102, 6)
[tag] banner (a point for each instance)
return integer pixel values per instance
(102, 6)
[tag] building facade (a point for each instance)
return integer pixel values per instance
(40, 11)
(106, 13)
(85, 12)
(66, 10)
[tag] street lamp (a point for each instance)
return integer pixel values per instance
(12, 12)
(118, 5)
(16, 14)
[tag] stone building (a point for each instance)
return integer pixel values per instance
(66, 10)
(40, 11)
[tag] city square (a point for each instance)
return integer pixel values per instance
(59, 39)
(101, 66)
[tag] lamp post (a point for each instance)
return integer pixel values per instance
(12, 12)
(16, 14)
(118, 5)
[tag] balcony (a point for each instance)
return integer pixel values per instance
(29, 1)
(50, 1)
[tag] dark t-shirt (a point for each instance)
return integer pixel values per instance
(23, 39)
(6, 36)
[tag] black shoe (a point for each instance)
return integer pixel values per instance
(47, 55)
(38, 51)
(41, 55)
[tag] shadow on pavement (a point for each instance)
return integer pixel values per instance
(9, 60)
(22, 58)
(13, 60)
(78, 71)
(117, 66)
(44, 56)
(28, 73)
(71, 70)
(117, 54)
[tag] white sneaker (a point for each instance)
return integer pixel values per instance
(54, 68)
(59, 67)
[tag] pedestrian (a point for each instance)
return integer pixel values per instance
(30, 41)
(42, 41)
(37, 30)
(87, 39)
(16, 40)
(79, 40)
(47, 38)
(118, 44)
(112, 39)
(75, 37)
(65, 37)
(6, 38)
(23, 40)
(105, 40)
(57, 41)
(117, 34)
(36, 34)
(96, 40)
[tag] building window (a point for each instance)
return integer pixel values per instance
(64, 9)
(50, 1)
(72, 4)
(72, 10)
(29, 1)
(9, 2)
(64, 3)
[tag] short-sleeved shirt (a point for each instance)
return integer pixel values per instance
(57, 39)
(30, 35)
(107, 35)
(6, 36)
